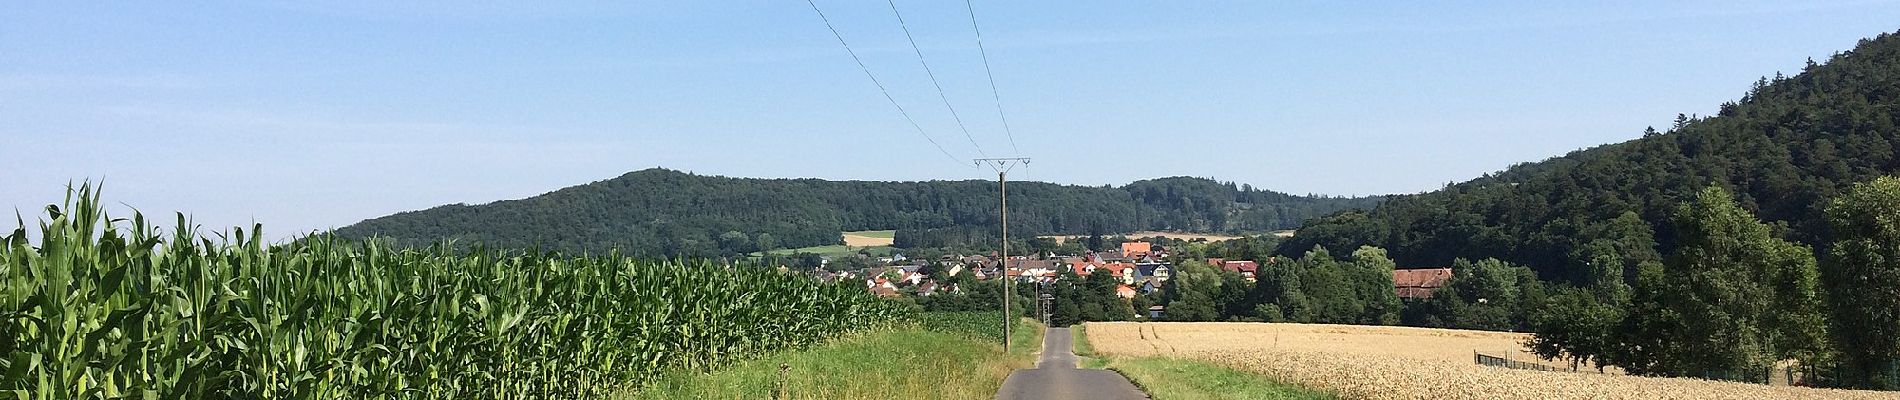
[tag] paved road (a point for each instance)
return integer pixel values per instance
(1055, 377)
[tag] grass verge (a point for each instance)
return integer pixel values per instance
(1084, 353)
(910, 363)
(1166, 378)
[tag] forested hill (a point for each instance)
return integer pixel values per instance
(1785, 147)
(659, 211)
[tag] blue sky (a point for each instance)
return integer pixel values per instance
(305, 115)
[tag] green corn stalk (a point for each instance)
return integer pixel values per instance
(109, 308)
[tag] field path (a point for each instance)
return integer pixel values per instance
(1055, 376)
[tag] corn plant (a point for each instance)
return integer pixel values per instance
(113, 308)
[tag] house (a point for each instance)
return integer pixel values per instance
(1124, 291)
(1149, 286)
(1032, 270)
(1123, 272)
(1158, 271)
(911, 278)
(881, 287)
(1246, 268)
(1130, 249)
(1415, 284)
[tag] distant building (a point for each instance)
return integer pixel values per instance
(1245, 268)
(1130, 249)
(1415, 284)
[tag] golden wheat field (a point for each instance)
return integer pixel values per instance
(1382, 362)
(857, 239)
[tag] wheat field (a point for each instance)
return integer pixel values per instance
(1383, 362)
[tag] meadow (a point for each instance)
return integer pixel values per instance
(1373, 362)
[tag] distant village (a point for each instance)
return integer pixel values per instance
(1140, 268)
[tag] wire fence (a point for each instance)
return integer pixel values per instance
(1495, 361)
(1885, 376)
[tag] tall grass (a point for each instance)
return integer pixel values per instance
(108, 308)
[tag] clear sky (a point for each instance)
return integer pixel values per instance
(304, 115)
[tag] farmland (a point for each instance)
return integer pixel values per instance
(836, 250)
(115, 309)
(1188, 236)
(869, 238)
(1405, 363)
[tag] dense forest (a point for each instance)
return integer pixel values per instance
(1719, 249)
(665, 212)
(1785, 147)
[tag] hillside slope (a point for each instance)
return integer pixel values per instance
(1789, 144)
(658, 211)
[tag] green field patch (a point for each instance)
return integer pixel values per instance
(836, 250)
(884, 234)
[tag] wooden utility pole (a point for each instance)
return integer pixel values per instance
(1002, 167)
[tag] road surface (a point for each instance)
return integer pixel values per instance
(1055, 377)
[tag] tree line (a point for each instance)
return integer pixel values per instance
(1789, 144)
(1730, 301)
(1714, 249)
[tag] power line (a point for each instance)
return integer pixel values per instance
(933, 77)
(880, 85)
(992, 76)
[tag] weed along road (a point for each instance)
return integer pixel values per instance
(1056, 377)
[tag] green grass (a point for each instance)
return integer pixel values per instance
(887, 234)
(910, 363)
(1027, 341)
(1083, 351)
(1165, 378)
(835, 250)
(1172, 378)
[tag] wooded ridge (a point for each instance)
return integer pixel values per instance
(666, 212)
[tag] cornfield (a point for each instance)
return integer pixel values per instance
(109, 308)
(983, 326)
(1406, 363)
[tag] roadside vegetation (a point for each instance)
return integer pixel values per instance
(940, 356)
(1173, 378)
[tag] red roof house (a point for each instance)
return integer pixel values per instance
(1419, 283)
(1130, 249)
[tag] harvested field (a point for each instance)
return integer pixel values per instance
(868, 238)
(1377, 362)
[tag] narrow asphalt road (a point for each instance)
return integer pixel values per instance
(1055, 377)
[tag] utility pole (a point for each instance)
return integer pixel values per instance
(1002, 167)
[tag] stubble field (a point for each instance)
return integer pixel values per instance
(1378, 362)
